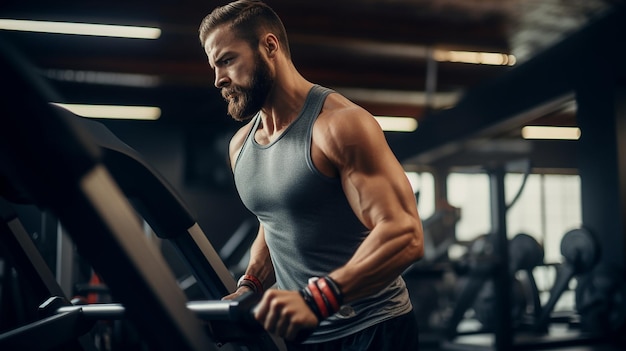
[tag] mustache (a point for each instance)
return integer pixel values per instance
(228, 92)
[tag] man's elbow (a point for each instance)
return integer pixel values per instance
(416, 244)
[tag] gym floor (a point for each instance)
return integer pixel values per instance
(486, 342)
(487, 345)
(558, 338)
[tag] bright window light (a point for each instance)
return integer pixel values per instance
(543, 132)
(397, 124)
(105, 30)
(113, 111)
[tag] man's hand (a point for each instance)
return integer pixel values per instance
(240, 291)
(285, 314)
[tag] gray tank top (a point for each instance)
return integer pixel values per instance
(310, 228)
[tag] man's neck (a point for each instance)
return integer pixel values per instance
(284, 104)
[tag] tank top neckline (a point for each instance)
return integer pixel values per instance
(305, 108)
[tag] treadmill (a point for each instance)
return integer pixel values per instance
(79, 172)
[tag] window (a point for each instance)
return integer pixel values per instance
(424, 185)
(470, 193)
(549, 206)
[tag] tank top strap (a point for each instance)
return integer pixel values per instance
(317, 97)
(312, 108)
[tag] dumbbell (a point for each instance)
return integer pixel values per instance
(601, 300)
(525, 254)
(581, 252)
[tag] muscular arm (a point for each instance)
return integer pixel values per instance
(380, 195)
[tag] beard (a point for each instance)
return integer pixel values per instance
(245, 102)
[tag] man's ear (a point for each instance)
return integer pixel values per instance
(271, 44)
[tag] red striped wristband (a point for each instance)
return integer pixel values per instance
(329, 294)
(319, 300)
(257, 286)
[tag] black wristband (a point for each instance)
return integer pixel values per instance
(308, 299)
(333, 285)
(252, 282)
(248, 285)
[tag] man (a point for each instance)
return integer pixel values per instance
(338, 218)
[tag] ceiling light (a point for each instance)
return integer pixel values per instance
(482, 58)
(543, 132)
(105, 30)
(114, 112)
(397, 124)
(104, 78)
(418, 52)
(400, 97)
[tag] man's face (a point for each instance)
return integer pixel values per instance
(240, 71)
(245, 101)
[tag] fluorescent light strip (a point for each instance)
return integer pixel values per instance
(104, 30)
(558, 133)
(413, 98)
(104, 78)
(405, 51)
(113, 111)
(482, 58)
(397, 124)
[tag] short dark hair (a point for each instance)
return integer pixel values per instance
(248, 19)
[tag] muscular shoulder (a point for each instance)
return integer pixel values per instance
(342, 127)
(236, 142)
(342, 117)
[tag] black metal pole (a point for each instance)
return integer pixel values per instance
(502, 282)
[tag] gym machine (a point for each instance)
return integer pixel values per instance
(580, 252)
(20, 253)
(160, 206)
(61, 323)
(228, 321)
(98, 216)
(428, 280)
(236, 251)
(500, 300)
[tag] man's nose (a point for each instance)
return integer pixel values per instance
(221, 80)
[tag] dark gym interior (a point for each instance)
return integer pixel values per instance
(524, 235)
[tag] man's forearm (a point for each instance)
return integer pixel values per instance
(378, 261)
(260, 264)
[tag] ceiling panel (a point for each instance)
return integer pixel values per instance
(375, 47)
